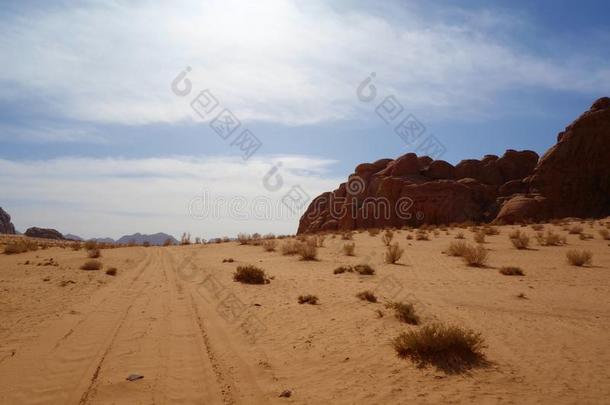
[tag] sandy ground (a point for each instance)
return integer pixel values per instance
(175, 316)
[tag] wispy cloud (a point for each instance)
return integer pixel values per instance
(273, 60)
(111, 197)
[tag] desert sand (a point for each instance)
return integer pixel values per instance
(175, 316)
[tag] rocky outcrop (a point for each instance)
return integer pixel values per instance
(412, 190)
(44, 233)
(573, 177)
(571, 180)
(6, 227)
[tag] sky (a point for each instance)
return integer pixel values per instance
(223, 116)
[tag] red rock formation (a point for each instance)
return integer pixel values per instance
(573, 176)
(6, 227)
(44, 233)
(571, 179)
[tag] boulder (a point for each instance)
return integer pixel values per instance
(44, 233)
(521, 208)
(468, 168)
(440, 170)
(517, 164)
(6, 227)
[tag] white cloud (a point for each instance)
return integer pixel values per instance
(273, 60)
(112, 197)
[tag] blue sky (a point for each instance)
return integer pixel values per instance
(93, 141)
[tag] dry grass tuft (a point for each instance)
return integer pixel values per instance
(387, 237)
(475, 256)
(343, 269)
(91, 265)
(94, 254)
(21, 246)
(290, 247)
(479, 237)
(367, 296)
(308, 299)
(460, 235)
(422, 235)
(269, 245)
(519, 239)
(579, 257)
(576, 229)
(308, 250)
(457, 248)
(250, 275)
(449, 348)
(349, 248)
(511, 271)
(605, 234)
(404, 312)
(393, 253)
(364, 269)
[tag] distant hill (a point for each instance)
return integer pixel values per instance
(102, 240)
(156, 239)
(69, 236)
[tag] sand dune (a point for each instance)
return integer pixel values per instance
(175, 316)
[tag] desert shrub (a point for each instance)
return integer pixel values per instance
(393, 253)
(367, 296)
(90, 245)
(460, 235)
(229, 260)
(185, 239)
(519, 239)
(308, 299)
(290, 247)
(347, 236)
(579, 257)
(449, 348)
(77, 246)
(605, 234)
(168, 242)
(94, 254)
(457, 248)
(269, 245)
(91, 265)
(111, 271)
(479, 237)
(250, 275)
(422, 235)
(308, 250)
(349, 248)
(320, 240)
(343, 269)
(550, 238)
(409, 237)
(374, 231)
(475, 256)
(387, 237)
(14, 248)
(364, 269)
(146, 243)
(490, 230)
(511, 271)
(244, 238)
(404, 312)
(575, 229)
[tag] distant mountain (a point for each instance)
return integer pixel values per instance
(73, 237)
(156, 239)
(103, 240)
